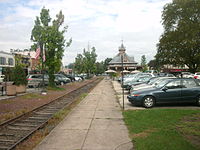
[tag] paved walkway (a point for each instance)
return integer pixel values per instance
(127, 104)
(95, 124)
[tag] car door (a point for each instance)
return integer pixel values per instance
(190, 90)
(170, 93)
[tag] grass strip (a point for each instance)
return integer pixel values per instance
(156, 129)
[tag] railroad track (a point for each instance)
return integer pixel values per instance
(18, 129)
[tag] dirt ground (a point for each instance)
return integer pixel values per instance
(13, 107)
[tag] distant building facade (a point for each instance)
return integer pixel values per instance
(174, 69)
(6, 60)
(128, 62)
(27, 58)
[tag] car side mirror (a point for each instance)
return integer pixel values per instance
(165, 88)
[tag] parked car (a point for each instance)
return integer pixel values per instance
(140, 80)
(197, 75)
(135, 77)
(179, 90)
(62, 79)
(151, 83)
(165, 74)
(154, 72)
(77, 78)
(71, 77)
(186, 75)
(35, 80)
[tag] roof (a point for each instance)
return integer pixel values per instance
(6, 53)
(127, 59)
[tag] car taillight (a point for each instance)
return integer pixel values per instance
(29, 79)
(195, 77)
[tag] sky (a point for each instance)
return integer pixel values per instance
(99, 23)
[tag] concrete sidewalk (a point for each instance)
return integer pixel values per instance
(95, 124)
(127, 104)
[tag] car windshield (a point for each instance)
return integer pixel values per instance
(153, 81)
(144, 79)
(162, 83)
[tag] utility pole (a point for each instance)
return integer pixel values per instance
(43, 91)
(122, 59)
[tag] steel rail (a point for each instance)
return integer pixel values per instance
(20, 128)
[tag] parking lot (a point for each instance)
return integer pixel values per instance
(129, 106)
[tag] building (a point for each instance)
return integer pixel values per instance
(128, 62)
(6, 60)
(27, 58)
(174, 69)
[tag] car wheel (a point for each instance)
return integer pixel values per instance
(198, 101)
(148, 102)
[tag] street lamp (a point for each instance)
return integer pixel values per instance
(43, 91)
(122, 59)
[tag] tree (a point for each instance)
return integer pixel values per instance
(70, 66)
(99, 68)
(89, 61)
(19, 75)
(143, 63)
(179, 44)
(106, 62)
(153, 64)
(79, 64)
(86, 62)
(50, 36)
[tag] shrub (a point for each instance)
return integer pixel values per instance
(19, 75)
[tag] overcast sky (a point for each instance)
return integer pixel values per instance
(101, 23)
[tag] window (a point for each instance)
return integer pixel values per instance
(10, 61)
(189, 83)
(2, 61)
(174, 84)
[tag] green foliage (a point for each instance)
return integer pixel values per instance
(50, 35)
(19, 77)
(144, 63)
(8, 72)
(79, 65)
(55, 88)
(99, 68)
(71, 66)
(106, 63)
(86, 62)
(89, 61)
(154, 65)
(179, 44)
(157, 129)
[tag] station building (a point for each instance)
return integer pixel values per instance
(129, 63)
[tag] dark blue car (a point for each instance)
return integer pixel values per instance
(179, 90)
